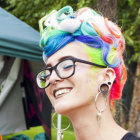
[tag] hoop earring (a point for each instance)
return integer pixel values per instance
(104, 89)
(60, 130)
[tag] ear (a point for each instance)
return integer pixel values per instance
(107, 78)
(109, 75)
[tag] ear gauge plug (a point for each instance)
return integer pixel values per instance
(109, 83)
(104, 88)
(114, 81)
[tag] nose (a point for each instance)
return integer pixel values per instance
(54, 78)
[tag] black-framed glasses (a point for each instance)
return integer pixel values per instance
(64, 69)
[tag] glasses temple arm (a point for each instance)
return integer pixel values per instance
(87, 62)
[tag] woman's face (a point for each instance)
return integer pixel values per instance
(75, 92)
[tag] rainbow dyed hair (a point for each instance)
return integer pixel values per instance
(104, 39)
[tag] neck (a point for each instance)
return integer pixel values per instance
(86, 126)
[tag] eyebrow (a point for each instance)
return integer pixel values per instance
(64, 57)
(60, 59)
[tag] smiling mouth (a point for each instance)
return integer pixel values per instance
(61, 92)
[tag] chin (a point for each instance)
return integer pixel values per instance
(67, 109)
(62, 109)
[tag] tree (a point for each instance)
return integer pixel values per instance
(31, 11)
(134, 116)
(109, 8)
(130, 22)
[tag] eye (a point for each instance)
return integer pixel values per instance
(66, 67)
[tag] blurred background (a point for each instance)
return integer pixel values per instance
(126, 13)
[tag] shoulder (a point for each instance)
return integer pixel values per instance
(130, 136)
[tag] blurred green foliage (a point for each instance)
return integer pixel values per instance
(68, 134)
(129, 20)
(31, 11)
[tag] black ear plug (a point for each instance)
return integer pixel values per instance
(109, 83)
(114, 81)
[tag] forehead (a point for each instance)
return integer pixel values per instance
(74, 49)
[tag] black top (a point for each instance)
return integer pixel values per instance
(130, 136)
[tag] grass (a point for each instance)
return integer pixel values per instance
(68, 134)
(30, 133)
(33, 131)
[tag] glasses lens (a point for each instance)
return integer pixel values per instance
(65, 68)
(43, 78)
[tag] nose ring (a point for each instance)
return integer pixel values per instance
(55, 82)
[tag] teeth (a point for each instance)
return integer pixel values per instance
(62, 91)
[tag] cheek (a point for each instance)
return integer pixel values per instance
(86, 81)
(91, 84)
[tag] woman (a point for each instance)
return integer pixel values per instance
(84, 72)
